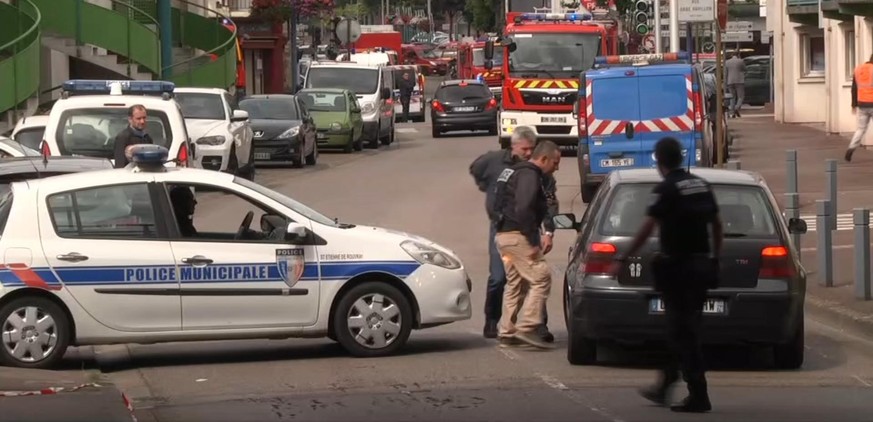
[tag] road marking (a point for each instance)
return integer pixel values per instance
(576, 397)
(861, 380)
(406, 130)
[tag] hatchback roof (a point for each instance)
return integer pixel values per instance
(716, 176)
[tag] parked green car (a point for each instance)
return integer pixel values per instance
(337, 116)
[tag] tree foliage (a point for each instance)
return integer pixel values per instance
(483, 14)
(278, 11)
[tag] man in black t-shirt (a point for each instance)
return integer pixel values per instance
(683, 207)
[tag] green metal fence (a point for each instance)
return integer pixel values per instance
(216, 68)
(19, 52)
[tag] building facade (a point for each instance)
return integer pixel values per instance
(817, 46)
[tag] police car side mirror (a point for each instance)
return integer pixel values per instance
(566, 222)
(295, 231)
(796, 226)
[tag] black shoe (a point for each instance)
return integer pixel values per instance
(544, 334)
(490, 330)
(655, 395)
(849, 153)
(690, 405)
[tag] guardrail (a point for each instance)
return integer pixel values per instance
(216, 68)
(19, 56)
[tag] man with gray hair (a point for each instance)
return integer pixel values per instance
(485, 171)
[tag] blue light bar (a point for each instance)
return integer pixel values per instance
(571, 17)
(97, 87)
(148, 155)
(632, 59)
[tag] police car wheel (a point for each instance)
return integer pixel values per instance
(372, 319)
(35, 333)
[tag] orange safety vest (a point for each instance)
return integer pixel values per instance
(864, 82)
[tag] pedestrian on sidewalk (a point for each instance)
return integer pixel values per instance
(862, 103)
(520, 207)
(683, 208)
(485, 171)
(735, 68)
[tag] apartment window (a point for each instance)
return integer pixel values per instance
(849, 39)
(812, 54)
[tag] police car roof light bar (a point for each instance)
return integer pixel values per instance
(148, 157)
(571, 17)
(643, 59)
(108, 87)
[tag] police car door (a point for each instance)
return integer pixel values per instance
(107, 247)
(231, 273)
(612, 117)
(666, 109)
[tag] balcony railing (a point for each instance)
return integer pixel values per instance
(802, 3)
(237, 5)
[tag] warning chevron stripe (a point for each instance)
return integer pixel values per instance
(680, 123)
(546, 83)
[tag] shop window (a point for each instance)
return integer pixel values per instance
(812, 54)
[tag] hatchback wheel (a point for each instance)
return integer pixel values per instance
(312, 158)
(372, 319)
(34, 332)
(790, 355)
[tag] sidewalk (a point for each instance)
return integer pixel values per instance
(760, 145)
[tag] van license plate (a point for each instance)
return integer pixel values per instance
(465, 109)
(262, 156)
(553, 119)
(617, 162)
(711, 306)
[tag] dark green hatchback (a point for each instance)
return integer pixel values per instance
(337, 117)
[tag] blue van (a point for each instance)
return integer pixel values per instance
(627, 103)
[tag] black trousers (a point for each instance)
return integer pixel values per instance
(404, 100)
(683, 306)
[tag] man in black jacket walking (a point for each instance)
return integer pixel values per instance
(132, 135)
(406, 85)
(519, 210)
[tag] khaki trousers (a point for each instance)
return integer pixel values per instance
(528, 283)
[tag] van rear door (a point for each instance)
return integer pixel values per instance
(666, 109)
(613, 108)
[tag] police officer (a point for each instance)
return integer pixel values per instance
(683, 207)
(485, 170)
(519, 209)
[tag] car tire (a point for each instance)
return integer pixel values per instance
(312, 158)
(232, 161)
(580, 350)
(492, 131)
(389, 138)
(351, 146)
(790, 355)
(55, 331)
(359, 144)
(250, 174)
(299, 161)
(419, 119)
(366, 293)
(435, 133)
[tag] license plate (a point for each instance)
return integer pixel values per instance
(322, 136)
(262, 156)
(617, 162)
(553, 119)
(711, 306)
(465, 108)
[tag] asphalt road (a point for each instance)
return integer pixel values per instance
(422, 185)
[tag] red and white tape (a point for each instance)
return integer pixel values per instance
(45, 391)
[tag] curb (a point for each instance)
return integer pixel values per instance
(840, 316)
(56, 390)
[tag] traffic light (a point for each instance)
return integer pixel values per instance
(642, 16)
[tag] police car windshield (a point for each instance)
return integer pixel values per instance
(30, 137)
(744, 210)
(91, 131)
(323, 101)
(479, 57)
(551, 53)
(201, 106)
(358, 80)
(288, 202)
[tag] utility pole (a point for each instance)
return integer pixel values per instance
(659, 41)
(165, 20)
(674, 26)
(719, 90)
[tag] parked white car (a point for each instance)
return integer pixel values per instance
(222, 134)
(30, 130)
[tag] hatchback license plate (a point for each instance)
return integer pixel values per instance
(262, 156)
(553, 119)
(617, 162)
(322, 136)
(711, 306)
(465, 109)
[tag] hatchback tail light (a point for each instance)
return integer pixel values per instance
(492, 103)
(775, 263)
(44, 149)
(437, 106)
(182, 156)
(599, 258)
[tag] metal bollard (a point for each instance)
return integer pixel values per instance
(791, 162)
(733, 165)
(824, 247)
(792, 210)
(831, 189)
(862, 253)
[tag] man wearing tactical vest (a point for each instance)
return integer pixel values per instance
(862, 103)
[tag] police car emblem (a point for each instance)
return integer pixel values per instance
(291, 263)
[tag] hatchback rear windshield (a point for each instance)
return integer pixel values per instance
(324, 101)
(30, 137)
(454, 93)
(745, 210)
(91, 131)
(361, 81)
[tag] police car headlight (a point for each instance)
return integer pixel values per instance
(336, 126)
(290, 133)
(368, 108)
(212, 140)
(429, 255)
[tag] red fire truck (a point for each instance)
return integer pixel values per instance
(543, 56)
(471, 65)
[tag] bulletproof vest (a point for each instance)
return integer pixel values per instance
(501, 187)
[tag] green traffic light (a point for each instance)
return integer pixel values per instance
(642, 29)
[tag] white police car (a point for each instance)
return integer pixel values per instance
(113, 257)
(90, 113)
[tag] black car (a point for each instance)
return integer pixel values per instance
(463, 105)
(283, 129)
(760, 297)
(27, 168)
